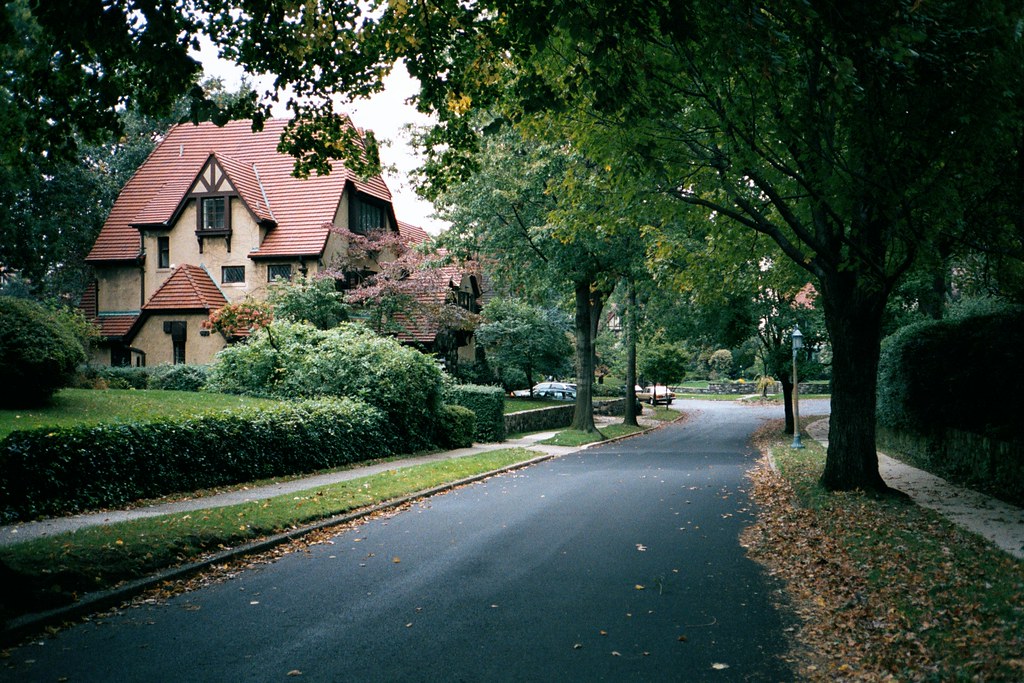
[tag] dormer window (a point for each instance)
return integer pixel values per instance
(366, 215)
(214, 215)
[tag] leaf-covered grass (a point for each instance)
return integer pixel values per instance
(885, 589)
(89, 406)
(51, 570)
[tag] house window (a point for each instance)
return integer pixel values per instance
(178, 351)
(215, 213)
(279, 271)
(230, 275)
(163, 252)
(120, 356)
(365, 217)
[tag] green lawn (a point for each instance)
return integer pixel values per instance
(89, 406)
(517, 404)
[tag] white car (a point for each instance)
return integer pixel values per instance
(549, 389)
(655, 394)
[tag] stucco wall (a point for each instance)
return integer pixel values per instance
(158, 346)
(118, 289)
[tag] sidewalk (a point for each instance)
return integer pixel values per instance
(992, 519)
(27, 531)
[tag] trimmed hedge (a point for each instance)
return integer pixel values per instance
(928, 378)
(46, 472)
(455, 427)
(488, 403)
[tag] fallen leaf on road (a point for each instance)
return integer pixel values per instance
(294, 672)
(615, 654)
(639, 587)
(641, 547)
(719, 666)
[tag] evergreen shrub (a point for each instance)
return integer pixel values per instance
(296, 360)
(179, 377)
(38, 354)
(455, 427)
(488, 403)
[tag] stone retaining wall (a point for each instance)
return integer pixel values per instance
(557, 417)
(751, 388)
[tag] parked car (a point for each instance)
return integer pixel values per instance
(544, 387)
(557, 394)
(655, 394)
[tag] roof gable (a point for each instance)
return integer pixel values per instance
(187, 288)
(303, 209)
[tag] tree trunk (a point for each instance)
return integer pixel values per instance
(629, 416)
(853, 315)
(786, 380)
(583, 419)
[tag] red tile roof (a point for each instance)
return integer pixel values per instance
(188, 287)
(116, 325)
(412, 234)
(260, 173)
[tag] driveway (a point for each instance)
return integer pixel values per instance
(613, 563)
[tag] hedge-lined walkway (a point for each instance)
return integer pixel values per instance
(26, 531)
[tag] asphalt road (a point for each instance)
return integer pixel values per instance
(615, 563)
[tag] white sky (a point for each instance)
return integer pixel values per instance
(385, 114)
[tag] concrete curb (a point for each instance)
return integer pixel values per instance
(24, 626)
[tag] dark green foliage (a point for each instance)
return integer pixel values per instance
(103, 377)
(954, 374)
(179, 377)
(455, 426)
(662, 363)
(948, 399)
(488, 403)
(45, 472)
(38, 355)
(291, 360)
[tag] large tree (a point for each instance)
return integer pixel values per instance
(844, 136)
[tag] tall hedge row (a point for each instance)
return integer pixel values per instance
(45, 472)
(489, 405)
(961, 374)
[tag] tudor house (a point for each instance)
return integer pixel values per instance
(214, 215)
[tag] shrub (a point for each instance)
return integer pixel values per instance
(455, 427)
(59, 471)
(179, 377)
(295, 360)
(38, 355)
(127, 377)
(927, 369)
(487, 403)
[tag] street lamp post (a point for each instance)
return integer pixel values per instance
(798, 343)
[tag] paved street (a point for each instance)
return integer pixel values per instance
(613, 563)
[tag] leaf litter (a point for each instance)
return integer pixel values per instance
(884, 590)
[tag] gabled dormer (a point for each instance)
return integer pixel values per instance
(213, 192)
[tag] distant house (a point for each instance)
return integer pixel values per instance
(214, 215)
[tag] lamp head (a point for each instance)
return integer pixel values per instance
(798, 338)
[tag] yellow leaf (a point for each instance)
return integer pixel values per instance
(639, 587)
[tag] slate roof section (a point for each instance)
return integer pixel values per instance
(187, 288)
(261, 175)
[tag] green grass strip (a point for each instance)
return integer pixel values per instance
(54, 569)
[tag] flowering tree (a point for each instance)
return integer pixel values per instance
(401, 286)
